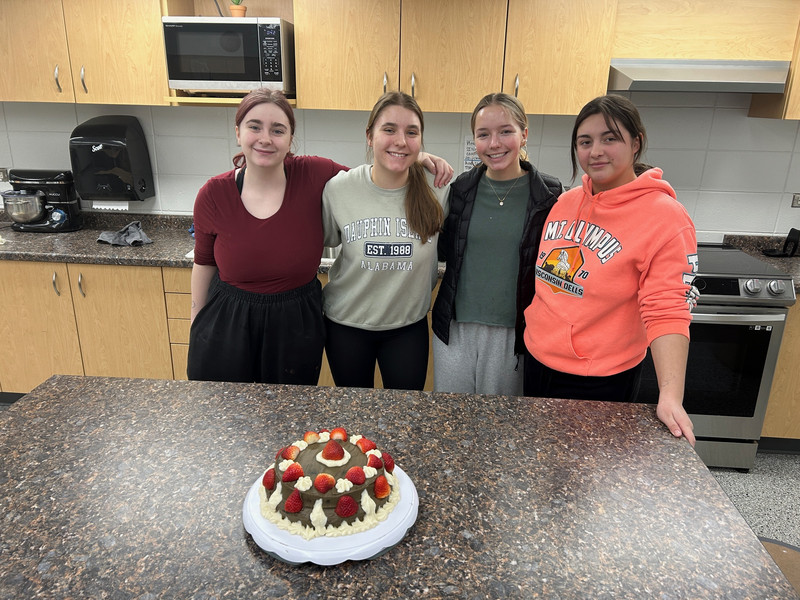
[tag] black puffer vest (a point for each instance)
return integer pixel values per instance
(544, 191)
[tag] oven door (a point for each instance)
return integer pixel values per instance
(212, 54)
(732, 356)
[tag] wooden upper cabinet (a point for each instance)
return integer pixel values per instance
(561, 52)
(117, 51)
(343, 51)
(706, 29)
(34, 53)
(453, 50)
(786, 105)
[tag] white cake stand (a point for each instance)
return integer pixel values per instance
(324, 550)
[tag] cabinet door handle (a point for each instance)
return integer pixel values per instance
(385, 81)
(80, 284)
(55, 286)
(83, 79)
(413, 84)
(516, 86)
(58, 84)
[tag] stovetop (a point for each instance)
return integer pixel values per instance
(723, 259)
(729, 276)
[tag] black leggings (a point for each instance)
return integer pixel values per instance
(402, 355)
(263, 338)
(541, 381)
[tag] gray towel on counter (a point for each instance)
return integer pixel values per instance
(130, 235)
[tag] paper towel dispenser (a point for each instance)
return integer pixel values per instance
(110, 160)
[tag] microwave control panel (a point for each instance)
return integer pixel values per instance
(269, 36)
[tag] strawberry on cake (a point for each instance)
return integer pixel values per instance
(329, 484)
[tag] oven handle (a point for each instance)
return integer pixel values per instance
(763, 318)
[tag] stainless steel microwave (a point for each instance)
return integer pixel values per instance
(229, 53)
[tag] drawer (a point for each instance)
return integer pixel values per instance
(179, 306)
(179, 331)
(180, 356)
(177, 279)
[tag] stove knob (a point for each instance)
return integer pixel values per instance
(753, 286)
(776, 287)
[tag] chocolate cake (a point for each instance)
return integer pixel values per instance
(329, 484)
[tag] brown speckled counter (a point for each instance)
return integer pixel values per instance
(125, 488)
(753, 245)
(170, 236)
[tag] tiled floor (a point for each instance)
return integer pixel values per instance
(768, 496)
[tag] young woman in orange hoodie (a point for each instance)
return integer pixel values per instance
(613, 275)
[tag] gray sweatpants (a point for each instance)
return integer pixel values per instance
(478, 360)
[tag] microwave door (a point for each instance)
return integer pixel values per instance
(212, 56)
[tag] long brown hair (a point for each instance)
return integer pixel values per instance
(617, 112)
(423, 211)
(254, 98)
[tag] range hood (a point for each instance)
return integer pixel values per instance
(660, 75)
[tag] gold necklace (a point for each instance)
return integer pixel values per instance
(503, 199)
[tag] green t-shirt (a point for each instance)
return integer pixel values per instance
(487, 284)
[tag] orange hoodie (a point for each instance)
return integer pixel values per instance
(613, 273)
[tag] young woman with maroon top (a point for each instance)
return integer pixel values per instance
(256, 301)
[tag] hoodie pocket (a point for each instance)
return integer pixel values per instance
(552, 337)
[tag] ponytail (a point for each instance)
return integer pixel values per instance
(423, 211)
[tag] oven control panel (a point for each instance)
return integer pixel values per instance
(745, 290)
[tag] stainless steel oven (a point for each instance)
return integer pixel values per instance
(736, 334)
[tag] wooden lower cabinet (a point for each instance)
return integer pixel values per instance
(122, 321)
(783, 409)
(37, 325)
(81, 319)
(177, 290)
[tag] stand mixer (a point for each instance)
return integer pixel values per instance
(42, 201)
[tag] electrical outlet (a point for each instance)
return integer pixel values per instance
(795, 200)
(4, 174)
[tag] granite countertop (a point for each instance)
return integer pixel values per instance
(753, 245)
(134, 488)
(170, 236)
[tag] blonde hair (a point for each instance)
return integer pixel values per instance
(511, 105)
(423, 211)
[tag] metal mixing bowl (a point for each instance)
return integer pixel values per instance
(24, 206)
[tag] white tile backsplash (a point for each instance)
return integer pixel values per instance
(350, 154)
(682, 168)
(677, 128)
(749, 213)
(189, 121)
(40, 116)
(745, 171)
(733, 173)
(793, 180)
(202, 156)
(39, 149)
(733, 130)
